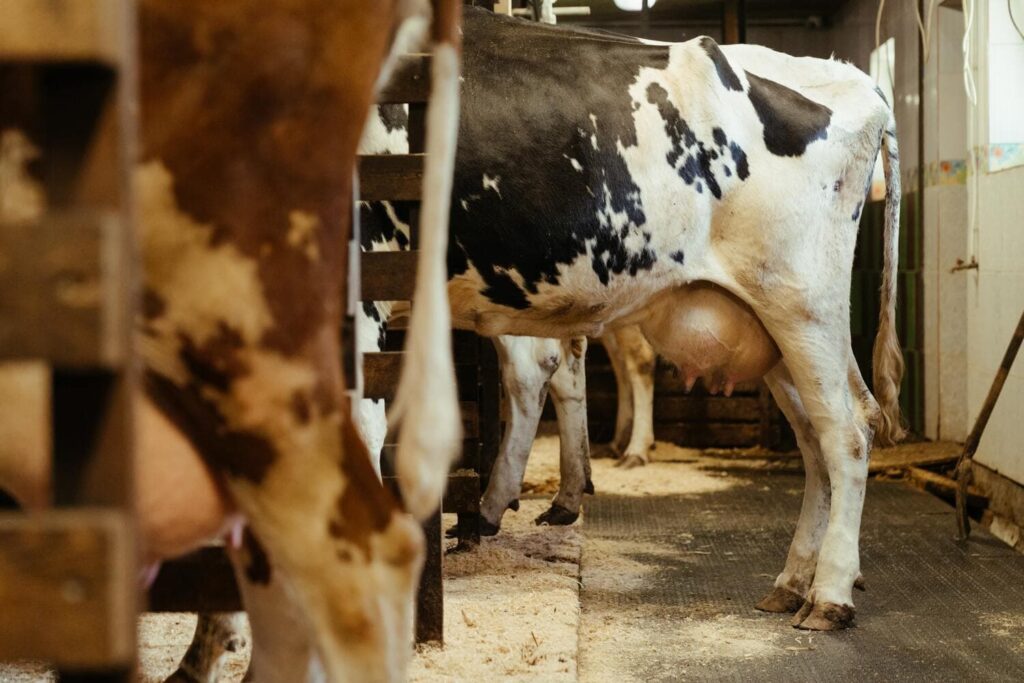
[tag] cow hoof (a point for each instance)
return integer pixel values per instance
(588, 488)
(825, 616)
(859, 583)
(605, 450)
(514, 505)
(556, 515)
(452, 531)
(629, 461)
(488, 529)
(780, 600)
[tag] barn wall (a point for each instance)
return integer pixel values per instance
(853, 37)
(995, 291)
(944, 107)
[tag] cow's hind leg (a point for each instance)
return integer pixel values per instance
(569, 395)
(527, 364)
(639, 359)
(794, 582)
(624, 401)
(842, 413)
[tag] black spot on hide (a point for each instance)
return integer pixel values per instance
(692, 159)
(791, 121)
(393, 116)
(725, 73)
(542, 102)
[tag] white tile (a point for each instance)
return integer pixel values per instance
(1006, 93)
(952, 117)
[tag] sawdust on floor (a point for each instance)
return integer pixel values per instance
(511, 606)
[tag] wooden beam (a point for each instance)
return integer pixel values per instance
(388, 275)
(381, 371)
(390, 177)
(73, 572)
(62, 289)
(63, 30)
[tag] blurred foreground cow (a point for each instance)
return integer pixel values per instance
(251, 115)
(712, 197)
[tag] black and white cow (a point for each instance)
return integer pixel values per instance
(710, 195)
(531, 367)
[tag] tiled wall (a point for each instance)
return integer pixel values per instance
(995, 291)
(853, 39)
(944, 108)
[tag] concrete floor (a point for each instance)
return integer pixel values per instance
(686, 571)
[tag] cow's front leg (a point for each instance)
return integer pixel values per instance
(569, 394)
(527, 364)
(639, 359)
(841, 412)
(794, 582)
(217, 634)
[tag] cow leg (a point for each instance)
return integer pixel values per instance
(569, 394)
(217, 634)
(639, 360)
(794, 582)
(841, 413)
(527, 364)
(624, 397)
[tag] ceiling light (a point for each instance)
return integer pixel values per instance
(633, 5)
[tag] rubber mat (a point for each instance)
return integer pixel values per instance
(669, 585)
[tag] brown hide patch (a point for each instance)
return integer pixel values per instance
(216, 362)
(258, 570)
(239, 454)
(256, 110)
(365, 507)
(300, 407)
(153, 305)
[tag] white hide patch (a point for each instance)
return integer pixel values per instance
(21, 197)
(302, 229)
(576, 165)
(491, 183)
(202, 286)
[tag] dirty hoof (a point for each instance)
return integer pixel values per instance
(588, 488)
(859, 583)
(780, 600)
(514, 505)
(486, 528)
(825, 616)
(556, 515)
(629, 461)
(605, 450)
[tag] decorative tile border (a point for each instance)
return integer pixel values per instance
(946, 172)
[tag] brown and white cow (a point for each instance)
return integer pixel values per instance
(250, 118)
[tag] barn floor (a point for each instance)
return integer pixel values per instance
(691, 567)
(659, 580)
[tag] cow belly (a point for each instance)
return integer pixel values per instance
(180, 505)
(711, 334)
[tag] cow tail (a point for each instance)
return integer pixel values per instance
(426, 403)
(887, 358)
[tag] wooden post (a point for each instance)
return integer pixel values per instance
(68, 591)
(734, 22)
